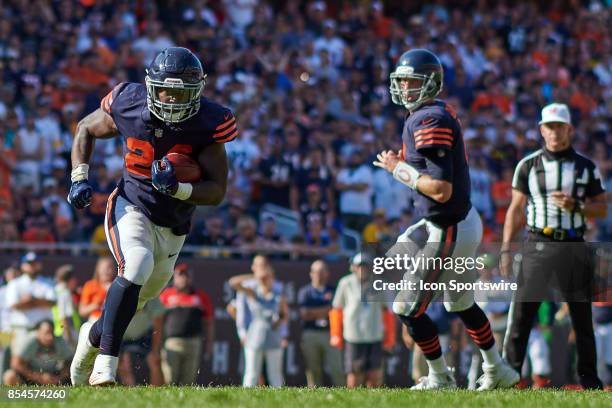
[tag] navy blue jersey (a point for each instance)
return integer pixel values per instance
(145, 138)
(433, 144)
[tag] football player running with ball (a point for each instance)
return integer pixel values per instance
(148, 215)
(433, 162)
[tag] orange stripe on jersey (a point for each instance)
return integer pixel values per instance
(430, 130)
(229, 138)
(430, 135)
(225, 124)
(225, 132)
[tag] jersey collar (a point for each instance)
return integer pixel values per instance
(562, 155)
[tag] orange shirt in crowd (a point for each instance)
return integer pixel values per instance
(93, 292)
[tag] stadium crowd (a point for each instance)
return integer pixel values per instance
(309, 83)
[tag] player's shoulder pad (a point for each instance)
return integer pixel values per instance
(225, 128)
(432, 127)
(107, 102)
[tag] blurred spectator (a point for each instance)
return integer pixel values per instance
(480, 179)
(30, 152)
(501, 193)
(355, 185)
(65, 317)
(247, 234)
(313, 176)
(212, 235)
(275, 174)
(8, 275)
(378, 230)
(54, 204)
(269, 311)
(30, 298)
(42, 360)
(188, 328)
(314, 206)
(143, 340)
(362, 326)
(154, 39)
(269, 234)
(7, 165)
(390, 195)
(315, 302)
(94, 290)
(317, 237)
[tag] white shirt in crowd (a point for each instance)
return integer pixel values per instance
(352, 201)
(5, 312)
(389, 194)
(361, 321)
(240, 12)
(151, 47)
(40, 288)
(334, 45)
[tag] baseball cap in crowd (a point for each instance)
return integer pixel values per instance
(556, 112)
(29, 257)
(361, 258)
(182, 268)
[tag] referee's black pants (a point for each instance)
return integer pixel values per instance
(564, 268)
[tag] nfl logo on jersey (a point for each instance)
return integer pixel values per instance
(159, 133)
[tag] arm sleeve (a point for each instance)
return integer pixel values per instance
(107, 102)
(12, 295)
(595, 186)
(338, 301)
(439, 163)
(207, 307)
(520, 180)
(433, 130)
(227, 129)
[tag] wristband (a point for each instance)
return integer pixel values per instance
(183, 192)
(79, 173)
(406, 174)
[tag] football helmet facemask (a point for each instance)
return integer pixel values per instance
(175, 80)
(421, 65)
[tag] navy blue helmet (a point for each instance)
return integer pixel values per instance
(175, 80)
(421, 65)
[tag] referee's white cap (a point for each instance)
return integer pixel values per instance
(556, 112)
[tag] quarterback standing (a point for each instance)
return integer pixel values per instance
(433, 163)
(148, 215)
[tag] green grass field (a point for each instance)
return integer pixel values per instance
(210, 397)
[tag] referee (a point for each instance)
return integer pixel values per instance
(560, 188)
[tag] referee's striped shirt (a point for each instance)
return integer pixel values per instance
(543, 172)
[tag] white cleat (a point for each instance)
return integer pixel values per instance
(497, 376)
(436, 382)
(84, 357)
(104, 371)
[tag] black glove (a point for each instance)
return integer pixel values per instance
(80, 194)
(163, 176)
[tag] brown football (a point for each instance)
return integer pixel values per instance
(187, 170)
